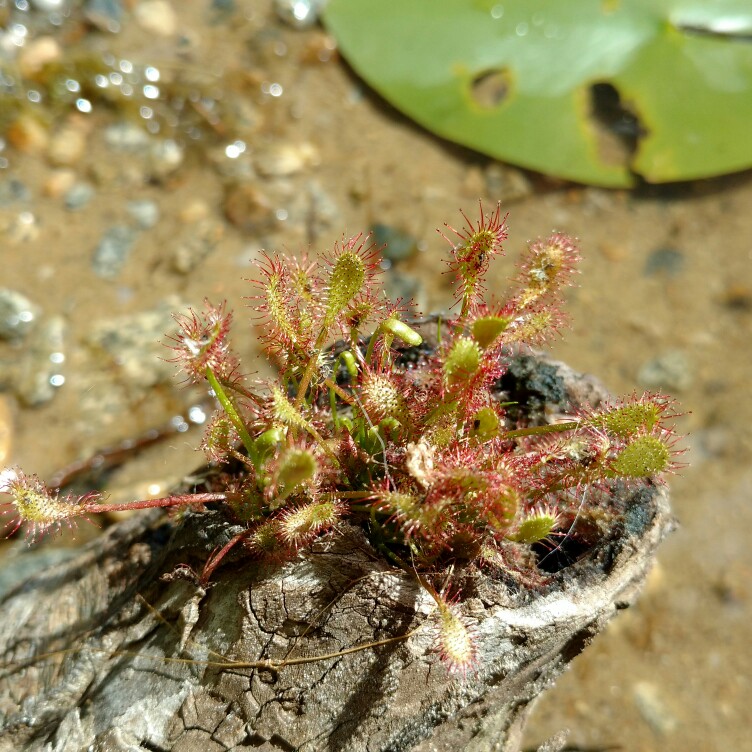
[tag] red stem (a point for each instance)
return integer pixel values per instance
(216, 557)
(166, 501)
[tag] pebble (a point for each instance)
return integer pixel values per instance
(78, 196)
(145, 212)
(710, 444)
(18, 315)
(195, 210)
(593, 202)
(666, 261)
(165, 157)
(134, 343)
(22, 228)
(671, 371)
(113, 251)
(59, 182)
(507, 183)
(38, 53)
(737, 297)
(6, 428)
(101, 400)
(246, 207)
(125, 136)
(313, 212)
(319, 48)
(406, 288)
(473, 184)
(39, 374)
(397, 245)
(106, 15)
(68, 144)
(12, 190)
(196, 245)
(284, 160)
(652, 708)
(28, 135)
(156, 17)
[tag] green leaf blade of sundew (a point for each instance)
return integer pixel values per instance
(425, 55)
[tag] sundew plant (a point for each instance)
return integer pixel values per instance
(410, 440)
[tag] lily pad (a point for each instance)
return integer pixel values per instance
(596, 91)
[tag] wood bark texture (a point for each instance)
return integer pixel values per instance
(102, 653)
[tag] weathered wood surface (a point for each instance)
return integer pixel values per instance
(114, 691)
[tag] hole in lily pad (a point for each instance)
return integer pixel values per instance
(491, 87)
(618, 128)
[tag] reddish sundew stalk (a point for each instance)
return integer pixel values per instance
(163, 502)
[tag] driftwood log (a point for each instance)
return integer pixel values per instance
(103, 652)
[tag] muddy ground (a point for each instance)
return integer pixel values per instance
(288, 150)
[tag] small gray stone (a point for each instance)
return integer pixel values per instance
(126, 136)
(101, 400)
(652, 708)
(156, 17)
(113, 251)
(397, 245)
(145, 212)
(404, 287)
(23, 227)
(313, 211)
(507, 184)
(671, 371)
(284, 159)
(68, 143)
(78, 196)
(196, 244)
(13, 190)
(18, 315)
(248, 208)
(667, 261)
(165, 156)
(106, 15)
(134, 344)
(39, 374)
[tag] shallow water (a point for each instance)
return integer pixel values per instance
(286, 150)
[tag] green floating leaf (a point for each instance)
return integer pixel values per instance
(595, 91)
